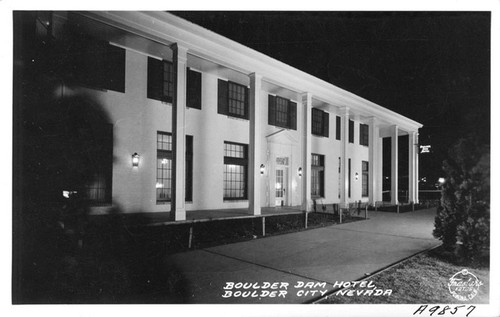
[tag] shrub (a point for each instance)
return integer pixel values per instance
(464, 214)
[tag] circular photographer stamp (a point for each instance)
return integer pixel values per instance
(464, 285)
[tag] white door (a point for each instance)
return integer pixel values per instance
(281, 186)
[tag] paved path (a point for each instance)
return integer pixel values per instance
(323, 256)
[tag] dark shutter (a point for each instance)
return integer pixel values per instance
(338, 128)
(326, 123)
(247, 103)
(222, 97)
(189, 168)
(271, 116)
(155, 79)
(193, 91)
(292, 107)
(351, 131)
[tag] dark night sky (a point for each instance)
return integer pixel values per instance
(433, 67)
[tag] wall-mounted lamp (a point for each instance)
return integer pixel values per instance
(299, 171)
(356, 176)
(135, 159)
(262, 169)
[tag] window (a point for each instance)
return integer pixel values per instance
(282, 112)
(364, 183)
(96, 64)
(160, 80)
(164, 167)
(338, 128)
(232, 99)
(320, 120)
(363, 134)
(98, 187)
(317, 175)
(193, 89)
(235, 171)
(351, 131)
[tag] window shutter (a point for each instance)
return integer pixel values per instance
(222, 97)
(193, 91)
(326, 123)
(351, 131)
(247, 103)
(155, 79)
(271, 116)
(292, 106)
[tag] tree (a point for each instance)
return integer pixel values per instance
(464, 214)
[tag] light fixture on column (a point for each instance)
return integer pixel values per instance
(135, 159)
(262, 169)
(299, 171)
(357, 176)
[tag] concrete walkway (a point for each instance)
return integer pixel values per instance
(323, 256)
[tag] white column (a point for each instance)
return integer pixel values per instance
(178, 207)
(344, 199)
(417, 177)
(306, 168)
(254, 149)
(380, 169)
(374, 148)
(394, 164)
(411, 166)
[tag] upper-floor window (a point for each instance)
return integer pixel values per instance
(282, 112)
(363, 134)
(160, 80)
(320, 120)
(351, 131)
(97, 64)
(232, 99)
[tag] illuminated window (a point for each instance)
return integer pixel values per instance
(164, 167)
(235, 171)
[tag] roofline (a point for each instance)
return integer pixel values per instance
(165, 26)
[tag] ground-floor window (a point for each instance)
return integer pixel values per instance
(364, 183)
(317, 175)
(98, 187)
(235, 171)
(164, 167)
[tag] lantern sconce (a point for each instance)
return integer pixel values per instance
(262, 169)
(357, 176)
(135, 160)
(299, 171)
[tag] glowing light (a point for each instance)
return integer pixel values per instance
(135, 160)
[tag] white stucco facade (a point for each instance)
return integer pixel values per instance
(136, 120)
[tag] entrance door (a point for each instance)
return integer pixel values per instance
(281, 186)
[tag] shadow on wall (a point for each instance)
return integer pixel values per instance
(63, 160)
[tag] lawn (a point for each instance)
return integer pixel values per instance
(421, 279)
